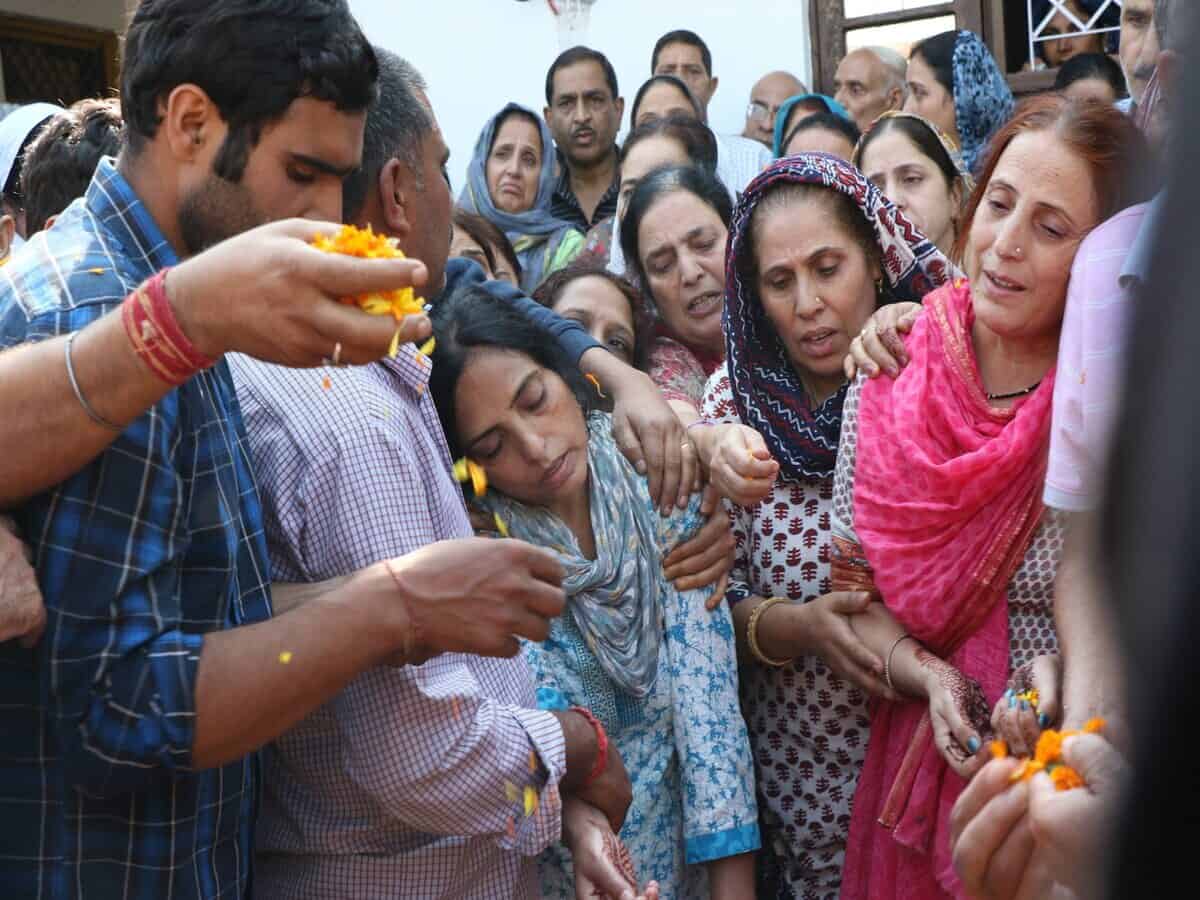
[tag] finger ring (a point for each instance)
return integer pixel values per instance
(337, 353)
(687, 445)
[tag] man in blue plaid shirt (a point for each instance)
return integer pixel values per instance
(129, 737)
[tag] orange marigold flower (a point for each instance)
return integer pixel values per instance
(999, 750)
(469, 470)
(1049, 747)
(1065, 778)
(1094, 726)
(366, 244)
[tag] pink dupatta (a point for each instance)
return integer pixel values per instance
(947, 496)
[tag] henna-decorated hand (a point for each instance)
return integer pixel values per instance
(603, 866)
(958, 711)
(1017, 721)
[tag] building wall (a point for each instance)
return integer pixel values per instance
(104, 15)
(479, 54)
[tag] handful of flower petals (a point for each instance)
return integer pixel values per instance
(1048, 758)
(364, 243)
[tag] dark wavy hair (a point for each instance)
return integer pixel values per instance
(60, 163)
(921, 134)
(253, 58)
(588, 266)
(471, 319)
(662, 183)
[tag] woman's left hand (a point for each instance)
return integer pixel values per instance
(707, 558)
(958, 711)
(603, 867)
(1017, 721)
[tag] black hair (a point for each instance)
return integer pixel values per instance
(661, 183)
(58, 166)
(824, 121)
(471, 318)
(937, 52)
(1092, 65)
(682, 36)
(10, 191)
(663, 79)
(253, 58)
(921, 134)
(474, 226)
(492, 238)
(397, 123)
(523, 114)
(697, 140)
(578, 55)
(588, 266)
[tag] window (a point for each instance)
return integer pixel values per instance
(55, 63)
(844, 25)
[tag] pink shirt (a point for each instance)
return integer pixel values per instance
(1091, 352)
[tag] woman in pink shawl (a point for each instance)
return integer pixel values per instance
(937, 494)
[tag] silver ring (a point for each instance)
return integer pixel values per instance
(337, 353)
(687, 445)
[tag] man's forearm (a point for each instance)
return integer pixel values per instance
(1093, 677)
(256, 682)
(47, 435)
(286, 596)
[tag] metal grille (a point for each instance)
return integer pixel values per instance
(41, 71)
(1089, 25)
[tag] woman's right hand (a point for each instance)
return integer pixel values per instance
(959, 713)
(880, 345)
(739, 464)
(824, 628)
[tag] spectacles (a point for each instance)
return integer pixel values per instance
(758, 111)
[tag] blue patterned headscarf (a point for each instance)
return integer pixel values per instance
(790, 103)
(983, 101)
(530, 230)
(616, 598)
(767, 390)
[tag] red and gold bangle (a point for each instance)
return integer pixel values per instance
(156, 336)
(601, 762)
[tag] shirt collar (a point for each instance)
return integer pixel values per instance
(411, 367)
(1136, 268)
(112, 200)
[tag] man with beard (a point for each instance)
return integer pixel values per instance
(129, 757)
(584, 110)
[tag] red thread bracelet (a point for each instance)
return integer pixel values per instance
(601, 762)
(156, 336)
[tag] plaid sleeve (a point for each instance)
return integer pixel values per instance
(120, 657)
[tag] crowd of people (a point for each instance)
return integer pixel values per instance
(730, 502)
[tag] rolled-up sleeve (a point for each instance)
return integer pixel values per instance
(444, 759)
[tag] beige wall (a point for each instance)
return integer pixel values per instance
(106, 15)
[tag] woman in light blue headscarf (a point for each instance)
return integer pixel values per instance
(510, 182)
(649, 661)
(802, 104)
(955, 83)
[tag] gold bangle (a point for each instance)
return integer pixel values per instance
(887, 666)
(752, 634)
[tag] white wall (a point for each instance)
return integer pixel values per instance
(479, 54)
(106, 15)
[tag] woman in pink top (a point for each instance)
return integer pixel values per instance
(938, 493)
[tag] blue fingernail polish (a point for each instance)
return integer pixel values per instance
(1012, 700)
(973, 745)
(1024, 706)
(1043, 720)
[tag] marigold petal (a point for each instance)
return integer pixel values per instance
(501, 527)
(1094, 726)
(999, 750)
